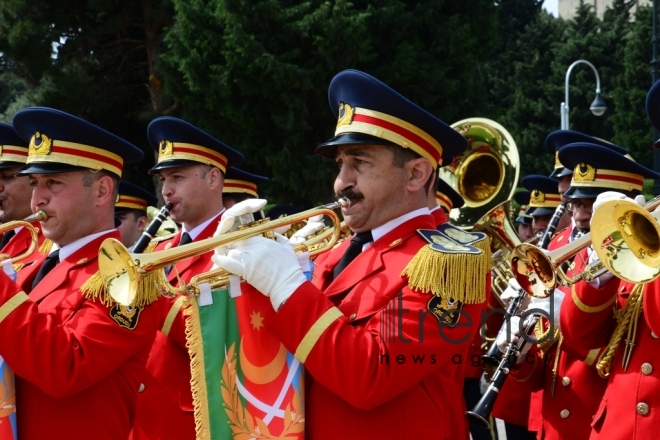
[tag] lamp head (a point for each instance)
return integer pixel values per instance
(598, 107)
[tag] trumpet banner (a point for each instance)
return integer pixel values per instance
(7, 403)
(245, 384)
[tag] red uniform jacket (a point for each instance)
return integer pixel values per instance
(77, 370)
(568, 412)
(630, 407)
(27, 267)
(165, 407)
(369, 375)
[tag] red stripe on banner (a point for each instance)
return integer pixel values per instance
(87, 154)
(209, 156)
(402, 132)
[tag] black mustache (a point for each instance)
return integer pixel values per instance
(350, 194)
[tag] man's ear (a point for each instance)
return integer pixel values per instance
(105, 191)
(420, 170)
(141, 224)
(215, 178)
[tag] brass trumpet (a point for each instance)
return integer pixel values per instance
(539, 272)
(122, 271)
(626, 238)
(40, 216)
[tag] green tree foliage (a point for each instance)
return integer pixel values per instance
(255, 73)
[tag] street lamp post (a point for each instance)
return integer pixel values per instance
(597, 107)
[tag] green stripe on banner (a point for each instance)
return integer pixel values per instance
(219, 331)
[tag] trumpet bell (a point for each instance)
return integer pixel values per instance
(486, 174)
(626, 238)
(118, 271)
(533, 270)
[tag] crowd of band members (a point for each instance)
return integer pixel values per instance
(97, 369)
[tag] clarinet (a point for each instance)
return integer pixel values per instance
(552, 226)
(480, 414)
(151, 230)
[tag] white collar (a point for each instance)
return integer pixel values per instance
(69, 249)
(194, 233)
(382, 230)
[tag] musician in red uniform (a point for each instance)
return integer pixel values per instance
(78, 357)
(191, 166)
(524, 220)
(131, 210)
(628, 409)
(564, 369)
(15, 193)
(360, 325)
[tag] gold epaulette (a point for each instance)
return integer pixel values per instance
(94, 289)
(453, 265)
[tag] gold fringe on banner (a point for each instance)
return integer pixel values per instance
(45, 247)
(457, 276)
(626, 324)
(197, 373)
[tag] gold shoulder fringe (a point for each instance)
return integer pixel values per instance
(18, 266)
(151, 246)
(94, 289)
(45, 247)
(457, 276)
(197, 373)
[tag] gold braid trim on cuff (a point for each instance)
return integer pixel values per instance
(589, 309)
(12, 304)
(315, 332)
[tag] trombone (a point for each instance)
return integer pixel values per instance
(616, 224)
(40, 216)
(122, 272)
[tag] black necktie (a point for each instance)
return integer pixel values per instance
(185, 239)
(354, 249)
(50, 262)
(5, 238)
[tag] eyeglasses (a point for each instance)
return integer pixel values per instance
(576, 204)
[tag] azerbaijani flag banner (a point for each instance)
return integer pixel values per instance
(246, 385)
(7, 403)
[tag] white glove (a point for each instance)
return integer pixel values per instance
(614, 195)
(543, 304)
(606, 276)
(511, 292)
(245, 208)
(271, 266)
(504, 338)
(314, 224)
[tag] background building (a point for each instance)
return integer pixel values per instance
(567, 7)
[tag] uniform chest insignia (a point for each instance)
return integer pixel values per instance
(449, 239)
(446, 310)
(126, 317)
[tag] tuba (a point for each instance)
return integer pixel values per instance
(40, 216)
(486, 174)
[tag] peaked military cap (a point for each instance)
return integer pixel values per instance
(522, 199)
(13, 149)
(179, 143)
(370, 112)
(132, 196)
(597, 169)
(558, 138)
(544, 194)
(60, 142)
(447, 197)
(239, 181)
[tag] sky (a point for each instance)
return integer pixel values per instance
(551, 6)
